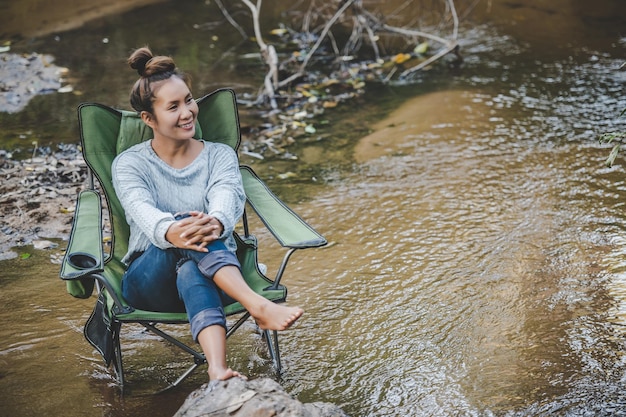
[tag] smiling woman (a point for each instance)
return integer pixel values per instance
(35, 18)
(182, 199)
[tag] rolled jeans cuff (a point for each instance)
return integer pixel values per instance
(205, 318)
(215, 260)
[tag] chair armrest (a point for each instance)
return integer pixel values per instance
(286, 226)
(84, 255)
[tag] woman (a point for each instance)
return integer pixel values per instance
(182, 198)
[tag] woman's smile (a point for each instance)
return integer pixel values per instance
(187, 126)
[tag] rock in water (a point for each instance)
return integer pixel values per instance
(261, 397)
(23, 77)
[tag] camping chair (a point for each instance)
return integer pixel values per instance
(104, 133)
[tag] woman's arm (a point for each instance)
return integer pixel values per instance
(132, 186)
(225, 194)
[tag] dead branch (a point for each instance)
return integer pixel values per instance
(230, 19)
(321, 38)
(366, 28)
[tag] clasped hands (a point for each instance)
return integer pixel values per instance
(194, 231)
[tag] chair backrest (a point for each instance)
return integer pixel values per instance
(105, 132)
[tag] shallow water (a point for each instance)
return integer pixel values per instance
(476, 264)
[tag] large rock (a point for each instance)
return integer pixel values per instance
(257, 398)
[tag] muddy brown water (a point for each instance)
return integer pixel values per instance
(476, 264)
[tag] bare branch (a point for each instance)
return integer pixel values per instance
(430, 60)
(413, 32)
(365, 29)
(308, 56)
(256, 10)
(268, 53)
(330, 23)
(372, 36)
(455, 19)
(230, 19)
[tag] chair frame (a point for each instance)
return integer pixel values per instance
(85, 264)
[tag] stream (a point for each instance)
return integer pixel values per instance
(476, 264)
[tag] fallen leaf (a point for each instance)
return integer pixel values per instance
(421, 48)
(278, 32)
(400, 58)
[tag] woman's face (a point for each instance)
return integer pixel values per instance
(175, 111)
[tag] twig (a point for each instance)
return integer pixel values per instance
(256, 9)
(268, 53)
(455, 19)
(430, 60)
(230, 19)
(321, 37)
(372, 36)
(413, 32)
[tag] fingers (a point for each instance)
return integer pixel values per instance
(195, 217)
(195, 224)
(198, 233)
(202, 225)
(197, 230)
(197, 248)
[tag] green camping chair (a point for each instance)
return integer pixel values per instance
(104, 133)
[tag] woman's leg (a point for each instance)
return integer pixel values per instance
(149, 283)
(268, 315)
(223, 267)
(212, 339)
(206, 315)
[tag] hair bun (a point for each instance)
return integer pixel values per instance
(147, 65)
(152, 69)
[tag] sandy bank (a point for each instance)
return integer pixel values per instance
(419, 119)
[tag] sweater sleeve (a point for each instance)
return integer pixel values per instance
(225, 194)
(135, 195)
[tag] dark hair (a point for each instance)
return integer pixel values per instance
(152, 69)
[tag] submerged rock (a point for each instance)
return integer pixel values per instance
(261, 397)
(23, 77)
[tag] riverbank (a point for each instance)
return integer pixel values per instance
(38, 196)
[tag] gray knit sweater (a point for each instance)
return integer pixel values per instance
(151, 192)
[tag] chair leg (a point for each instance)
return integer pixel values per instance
(116, 361)
(198, 357)
(181, 378)
(271, 337)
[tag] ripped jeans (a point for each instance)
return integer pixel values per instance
(178, 280)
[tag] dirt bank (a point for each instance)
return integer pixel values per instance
(37, 197)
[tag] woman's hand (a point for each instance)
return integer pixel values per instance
(195, 231)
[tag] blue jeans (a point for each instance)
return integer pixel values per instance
(178, 280)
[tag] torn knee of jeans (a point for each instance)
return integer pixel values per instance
(181, 262)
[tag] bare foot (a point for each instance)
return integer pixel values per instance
(224, 374)
(271, 316)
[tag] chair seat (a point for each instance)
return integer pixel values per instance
(277, 296)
